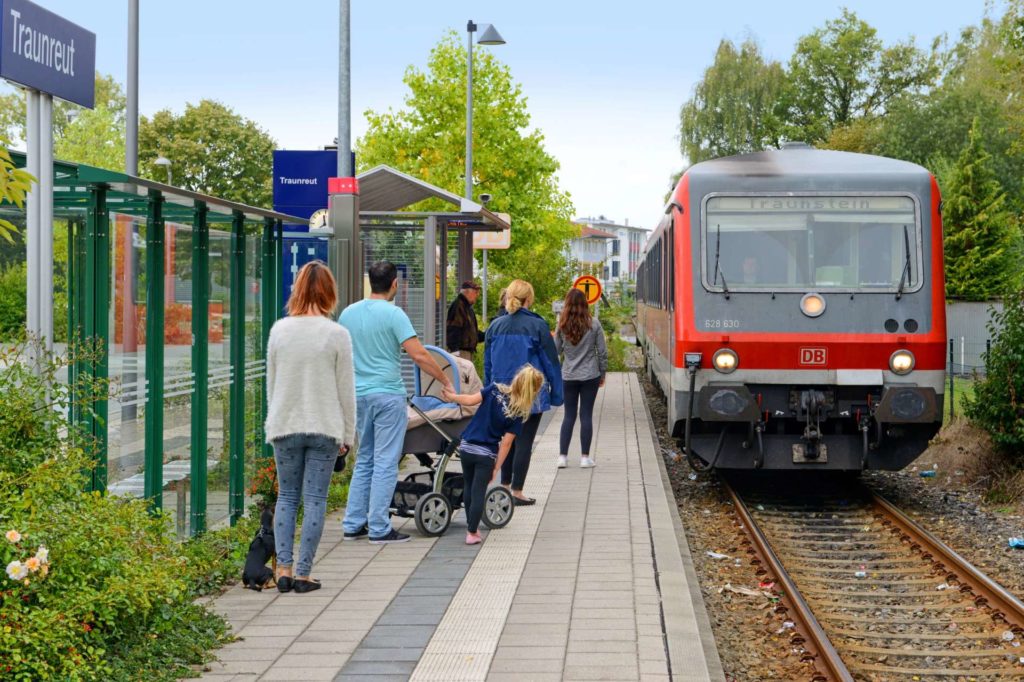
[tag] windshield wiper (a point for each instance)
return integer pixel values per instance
(718, 269)
(905, 277)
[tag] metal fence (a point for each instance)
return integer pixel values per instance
(967, 326)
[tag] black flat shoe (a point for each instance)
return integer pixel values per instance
(285, 583)
(523, 501)
(310, 585)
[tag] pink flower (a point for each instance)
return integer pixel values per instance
(13, 536)
(33, 564)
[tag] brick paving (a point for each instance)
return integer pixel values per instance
(594, 582)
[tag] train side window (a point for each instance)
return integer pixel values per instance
(671, 302)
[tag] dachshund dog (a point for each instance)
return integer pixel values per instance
(256, 575)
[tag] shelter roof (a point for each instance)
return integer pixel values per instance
(128, 194)
(387, 189)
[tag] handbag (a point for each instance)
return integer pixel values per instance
(339, 461)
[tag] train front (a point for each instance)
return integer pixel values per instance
(810, 320)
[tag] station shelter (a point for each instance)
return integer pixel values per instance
(178, 290)
(432, 249)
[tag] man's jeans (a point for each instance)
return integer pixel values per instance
(382, 419)
(305, 463)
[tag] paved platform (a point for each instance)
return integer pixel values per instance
(594, 582)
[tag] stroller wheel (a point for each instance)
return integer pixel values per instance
(498, 508)
(433, 514)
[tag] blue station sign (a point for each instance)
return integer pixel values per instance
(41, 50)
(300, 180)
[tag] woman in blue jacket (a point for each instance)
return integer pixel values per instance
(519, 338)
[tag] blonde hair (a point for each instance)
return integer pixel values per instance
(519, 294)
(526, 384)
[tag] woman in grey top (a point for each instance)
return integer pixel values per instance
(580, 340)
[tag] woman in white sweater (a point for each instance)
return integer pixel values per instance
(311, 416)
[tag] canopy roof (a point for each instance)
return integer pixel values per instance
(129, 194)
(388, 190)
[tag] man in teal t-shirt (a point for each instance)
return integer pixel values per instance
(380, 330)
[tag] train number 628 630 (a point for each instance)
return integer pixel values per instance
(721, 324)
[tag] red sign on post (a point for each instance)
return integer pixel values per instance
(590, 286)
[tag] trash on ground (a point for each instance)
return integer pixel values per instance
(943, 586)
(746, 591)
(760, 507)
(1008, 636)
(1017, 543)
(716, 555)
(927, 473)
(692, 477)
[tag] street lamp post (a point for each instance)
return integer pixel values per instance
(490, 36)
(166, 163)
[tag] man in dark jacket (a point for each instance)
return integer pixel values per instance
(462, 333)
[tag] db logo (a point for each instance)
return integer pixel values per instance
(813, 356)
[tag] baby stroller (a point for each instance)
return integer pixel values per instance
(432, 496)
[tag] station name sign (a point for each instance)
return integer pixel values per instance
(41, 50)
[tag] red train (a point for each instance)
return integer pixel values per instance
(790, 305)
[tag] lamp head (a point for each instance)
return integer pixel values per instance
(162, 161)
(490, 36)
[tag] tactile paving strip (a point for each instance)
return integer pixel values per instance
(476, 616)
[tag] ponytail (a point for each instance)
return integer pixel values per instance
(518, 295)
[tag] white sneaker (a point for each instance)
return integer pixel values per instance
(586, 463)
(563, 461)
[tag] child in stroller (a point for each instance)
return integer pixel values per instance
(435, 427)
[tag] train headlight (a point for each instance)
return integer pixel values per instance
(901, 362)
(725, 360)
(812, 305)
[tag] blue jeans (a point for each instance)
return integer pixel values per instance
(305, 463)
(382, 419)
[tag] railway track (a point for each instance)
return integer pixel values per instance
(873, 596)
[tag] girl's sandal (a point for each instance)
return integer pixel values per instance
(303, 585)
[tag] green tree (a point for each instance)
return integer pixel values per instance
(975, 87)
(980, 233)
(427, 139)
(109, 95)
(212, 150)
(96, 137)
(843, 72)
(733, 108)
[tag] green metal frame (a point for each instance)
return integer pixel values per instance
(268, 277)
(236, 483)
(96, 305)
(155, 250)
(200, 364)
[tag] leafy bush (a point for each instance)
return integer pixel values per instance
(13, 279)
(95, 587)
(998, 402)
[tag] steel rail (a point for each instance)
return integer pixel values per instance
(825, 658)
(1004, 607)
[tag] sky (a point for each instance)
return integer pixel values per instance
(604, 81)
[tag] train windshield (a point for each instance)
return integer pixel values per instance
(771, 243)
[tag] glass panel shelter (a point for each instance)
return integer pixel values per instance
(181, 290)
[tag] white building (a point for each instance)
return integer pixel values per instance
(623, 251)
(590, 249)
